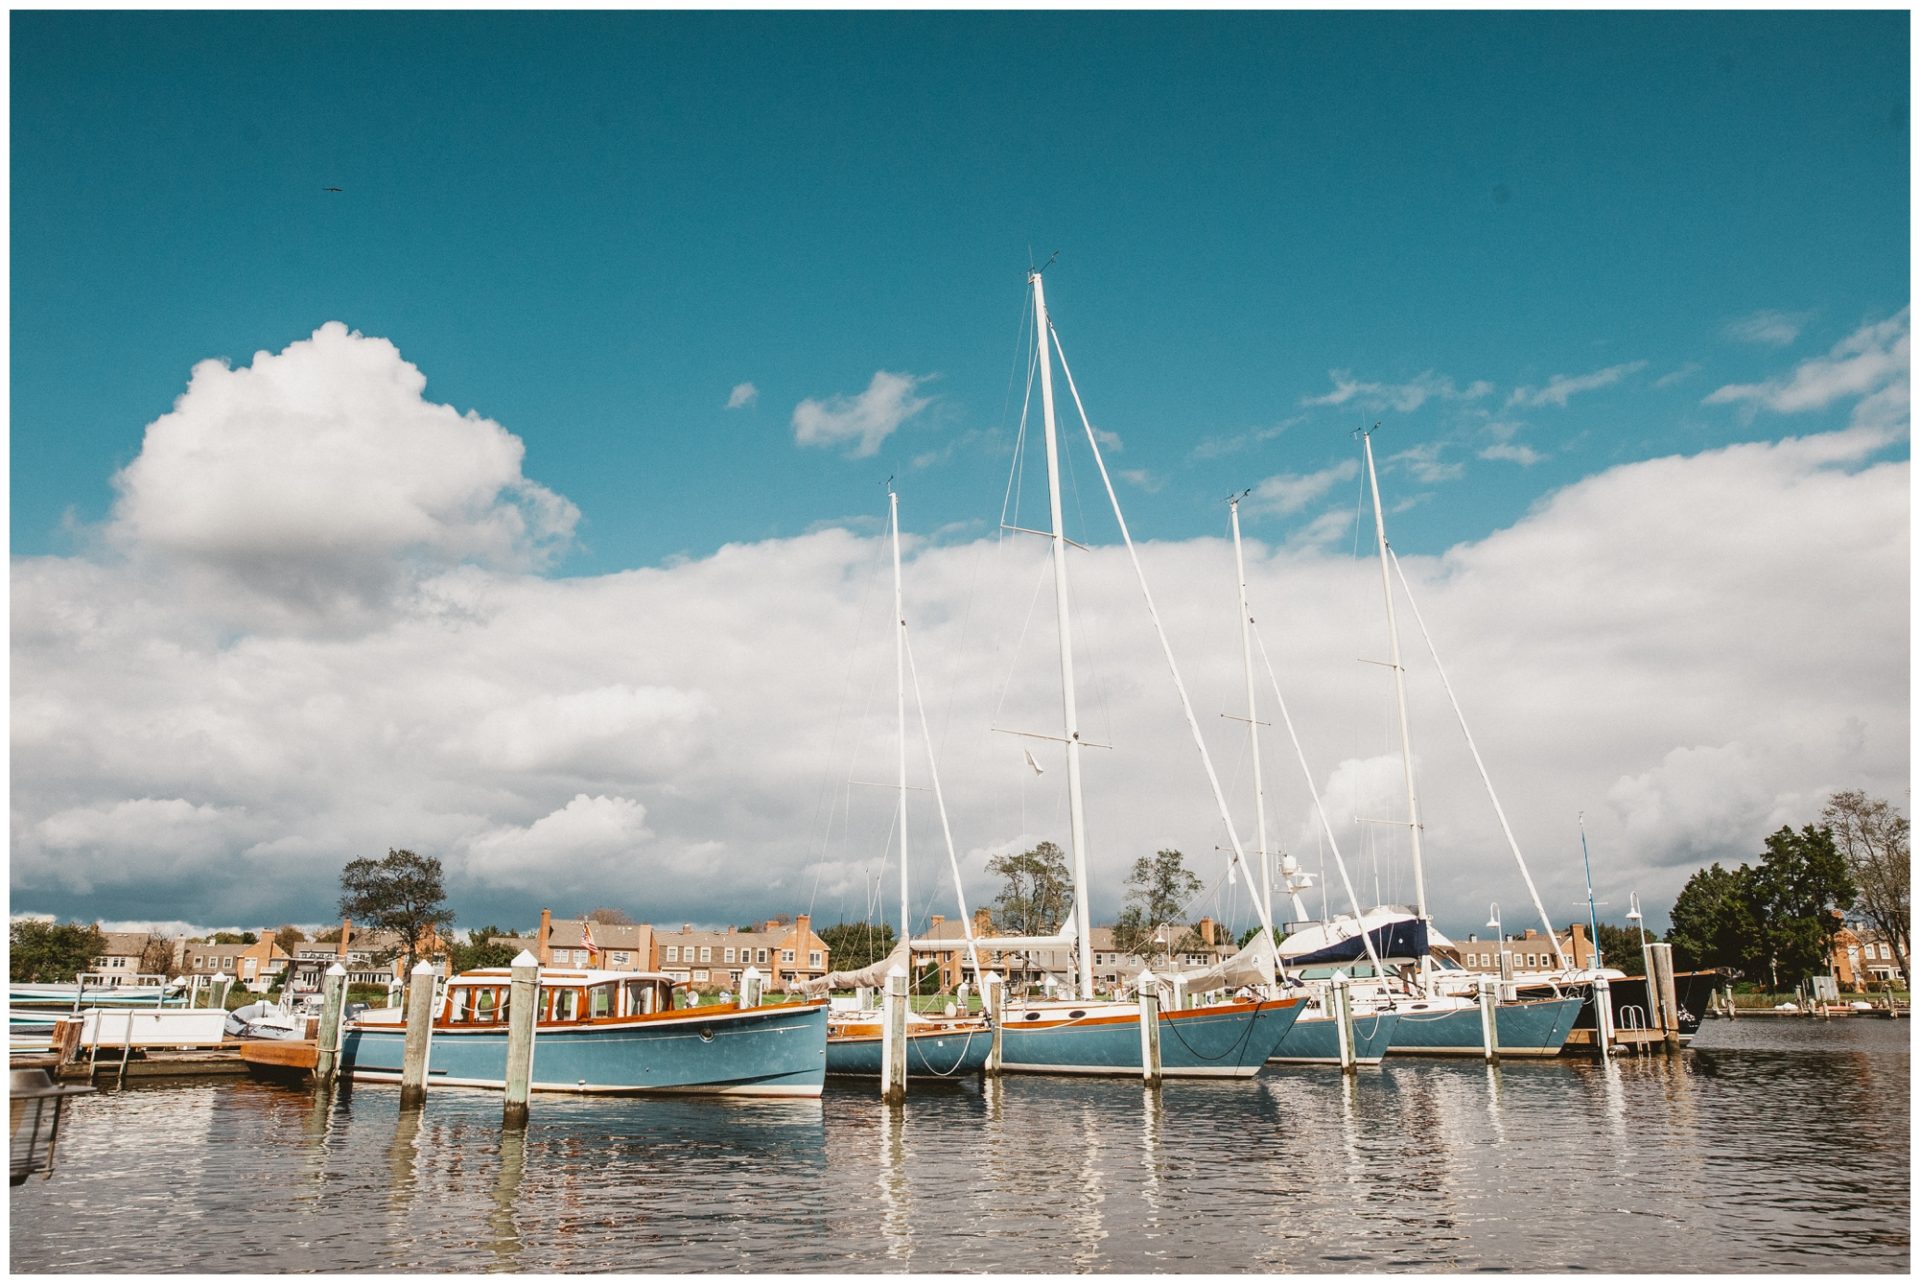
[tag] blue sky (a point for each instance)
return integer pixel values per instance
(591, 228)
(1627, 293)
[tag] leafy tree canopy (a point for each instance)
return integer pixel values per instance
(1158, 890)
(480, 949)
(608, 915)
(48, 952)
(855, 945)
(1036, 892)
(1620, 946)
(1874, 838)
(404, 894)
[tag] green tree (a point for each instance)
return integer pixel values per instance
(1158, 890)
(480, 949)
(1037, 890)
(1713, 921)
(403, 894)
(1620, 946)
(39, 951)
(1874, 838)
(855, 945)
(1799, 882)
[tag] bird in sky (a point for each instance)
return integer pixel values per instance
(330, 189)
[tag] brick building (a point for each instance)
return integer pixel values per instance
(786, 954)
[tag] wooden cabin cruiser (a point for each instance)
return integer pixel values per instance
(605, 1032)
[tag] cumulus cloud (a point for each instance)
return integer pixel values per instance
(1286, 493)
(1562, 388)
(1773, 329)
(863, 421)
(1512, 452)
(321, 472)
(1869, 366)
(1401, 397)
(1691, 650)
(743, 395)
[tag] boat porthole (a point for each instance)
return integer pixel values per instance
(1033, 1016)
(706, 1034)
(1075, 1016)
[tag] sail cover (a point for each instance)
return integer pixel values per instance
(1253, 965)
(874, 975)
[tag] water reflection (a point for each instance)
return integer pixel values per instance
(503, 1224)
(1776, 1150)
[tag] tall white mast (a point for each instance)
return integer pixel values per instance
(1070, 713)
(1400, 694)
(1253, 721)
(900, 687)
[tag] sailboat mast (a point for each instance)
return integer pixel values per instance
(1593, 914)
(1253, 721)
(1076, 807)
(1399, 691)
(900, 689)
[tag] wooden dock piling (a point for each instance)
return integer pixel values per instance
(413, 1057)
(1489, 1018)
(1343, 1022)
(333, 992)
(993, 1003)
(523, 999)
(1603, 1016)
(893, 1038)
(1149, 990)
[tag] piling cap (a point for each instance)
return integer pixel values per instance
(525, 959)
(895, 970)
(1145, 978)
(336, 970)
(218, 977)
(423, 966)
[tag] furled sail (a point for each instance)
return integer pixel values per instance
(1253, 965)
(874, 975)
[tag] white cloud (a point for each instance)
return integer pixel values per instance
(1561, 388)
(743, 395)
(1774, 329)
(1142, 479)
(316, 475)
(1691, 650)
(1512, 452)
(1401, 397)
(1678, 375)
(1287, 493)
(865, 420)
(1870, 364)
(1426, 465)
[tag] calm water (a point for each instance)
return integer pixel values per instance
(1771, 1146)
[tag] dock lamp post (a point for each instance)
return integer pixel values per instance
(1633, 916)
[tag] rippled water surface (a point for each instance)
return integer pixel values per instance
(1772, 1145)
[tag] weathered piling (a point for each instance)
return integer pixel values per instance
(333, 993)
(893, 1038)
(413, 1056)
(523, 998)
(1660, 981)
(993, 1002)
(753, 988)
(1603, 1016)
(1489, 1017)
(1149, 990)
(1342, 995)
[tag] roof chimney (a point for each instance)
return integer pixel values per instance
(346, 933)
(540, 944)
